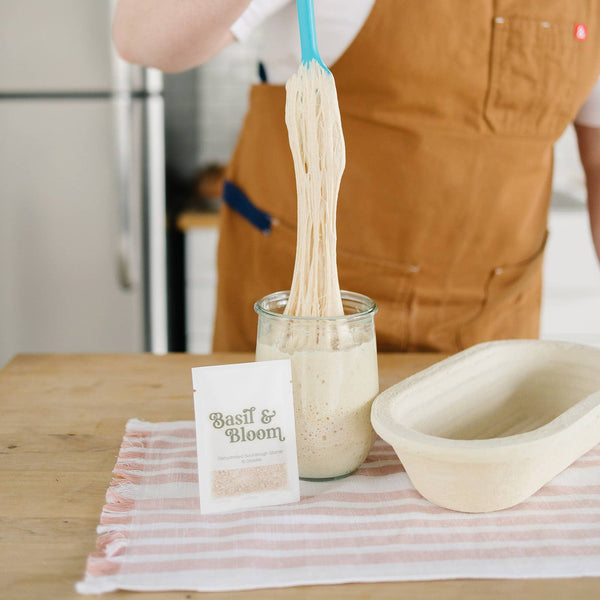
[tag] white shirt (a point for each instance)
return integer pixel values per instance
(337, 25)
(336, 22)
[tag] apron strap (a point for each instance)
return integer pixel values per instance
(237, 200)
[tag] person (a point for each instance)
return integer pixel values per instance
(449, 118)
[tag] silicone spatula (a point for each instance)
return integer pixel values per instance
(308, 36)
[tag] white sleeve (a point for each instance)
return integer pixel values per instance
(589, 113)
(254, 15)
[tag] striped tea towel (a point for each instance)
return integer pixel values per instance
(371, 526)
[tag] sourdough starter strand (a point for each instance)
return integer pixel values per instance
(316, 140)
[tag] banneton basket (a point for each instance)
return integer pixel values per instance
(488, 427)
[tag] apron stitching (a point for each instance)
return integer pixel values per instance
(496, 272)
(486, 294)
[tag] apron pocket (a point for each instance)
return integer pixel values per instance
(392, 285)
(533, 69)
(511, 305)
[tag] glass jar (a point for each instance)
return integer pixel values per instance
(335, 379)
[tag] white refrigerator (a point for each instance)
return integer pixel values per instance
(82, 193)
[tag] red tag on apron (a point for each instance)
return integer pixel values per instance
(580, 31)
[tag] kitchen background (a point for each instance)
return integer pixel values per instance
(109, 184)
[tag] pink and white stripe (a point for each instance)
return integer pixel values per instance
(372, 526)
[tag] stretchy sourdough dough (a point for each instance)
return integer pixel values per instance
(334, 366)
(312, 116)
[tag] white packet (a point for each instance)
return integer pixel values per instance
(245, 436)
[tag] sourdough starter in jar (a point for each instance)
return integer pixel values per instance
(333, 393)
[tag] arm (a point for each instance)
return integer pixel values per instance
(174, 35)
(589, 150)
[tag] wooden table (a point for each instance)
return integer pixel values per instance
(63, 417)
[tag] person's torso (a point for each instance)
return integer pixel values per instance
(447, 114)
(449, 119)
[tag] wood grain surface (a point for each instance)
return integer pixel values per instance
(194, 220)
(63, 417)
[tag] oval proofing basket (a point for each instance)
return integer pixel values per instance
(486, 428)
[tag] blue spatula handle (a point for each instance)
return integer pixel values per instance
(308, 36)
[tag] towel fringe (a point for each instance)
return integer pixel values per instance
(116, 503)
(136, 425)
(129, 465)
(121, 476)
(138, 434)
(98, 565)
(126, 465)
(120, 498)
(133, 443)
(110, 536)
(112, 543)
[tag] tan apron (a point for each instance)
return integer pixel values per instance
(449, 117)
